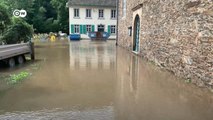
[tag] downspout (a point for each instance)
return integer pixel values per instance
(117, 10)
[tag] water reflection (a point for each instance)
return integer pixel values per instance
(134, 68)
(97, 81)
(146, 93)
(58, 83)
(92, 55)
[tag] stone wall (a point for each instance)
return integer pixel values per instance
(175, 34)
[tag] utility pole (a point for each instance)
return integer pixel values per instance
(117, 12)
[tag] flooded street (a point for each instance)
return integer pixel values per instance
(96, 81)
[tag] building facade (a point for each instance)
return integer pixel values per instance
(174, 34)
(92, 15)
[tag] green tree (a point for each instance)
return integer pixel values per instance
(38, 21)
(20, 4)
(62, 14)
(19, 31)
(4, 18)
(44, 15)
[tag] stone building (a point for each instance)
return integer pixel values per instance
(175, 34)
(92, 15)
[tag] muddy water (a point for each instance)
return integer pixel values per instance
(97, 81)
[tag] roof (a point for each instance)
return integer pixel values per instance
(97, 3)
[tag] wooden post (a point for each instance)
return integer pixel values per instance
(32, 51)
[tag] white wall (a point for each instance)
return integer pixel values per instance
(94, 21)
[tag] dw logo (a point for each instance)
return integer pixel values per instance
(20, 13)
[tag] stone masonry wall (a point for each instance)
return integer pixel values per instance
(175, 34)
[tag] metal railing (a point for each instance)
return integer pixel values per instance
(8, 51)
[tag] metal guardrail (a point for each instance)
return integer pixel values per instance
(8, 51)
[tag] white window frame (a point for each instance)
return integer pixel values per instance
(77, 29)
(113, 14)
(101, 13)
(89, 28)
(76, 13)
(113, 29)
(88, 13)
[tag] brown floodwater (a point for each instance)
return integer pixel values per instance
(90, 80)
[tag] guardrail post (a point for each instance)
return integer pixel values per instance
(32, 51)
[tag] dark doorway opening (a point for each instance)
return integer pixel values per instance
(136, 37)
(101, 28)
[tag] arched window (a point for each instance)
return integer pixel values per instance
(136, 33)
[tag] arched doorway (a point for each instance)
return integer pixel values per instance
(136, 34)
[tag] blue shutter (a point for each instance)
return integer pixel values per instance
(85, 29)
(93, 28)
(109, 29)
(72, 28)
(81, 29)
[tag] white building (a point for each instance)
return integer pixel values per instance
(92, 15)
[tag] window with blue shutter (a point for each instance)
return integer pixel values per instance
(112, 29)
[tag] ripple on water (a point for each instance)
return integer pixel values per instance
(105, 113)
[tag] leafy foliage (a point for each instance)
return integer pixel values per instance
(19, 77)
(62, 14)
(4, 18)
(44, 15)
(19, 31)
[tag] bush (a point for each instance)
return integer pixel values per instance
(19, 31)
(4, 18)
